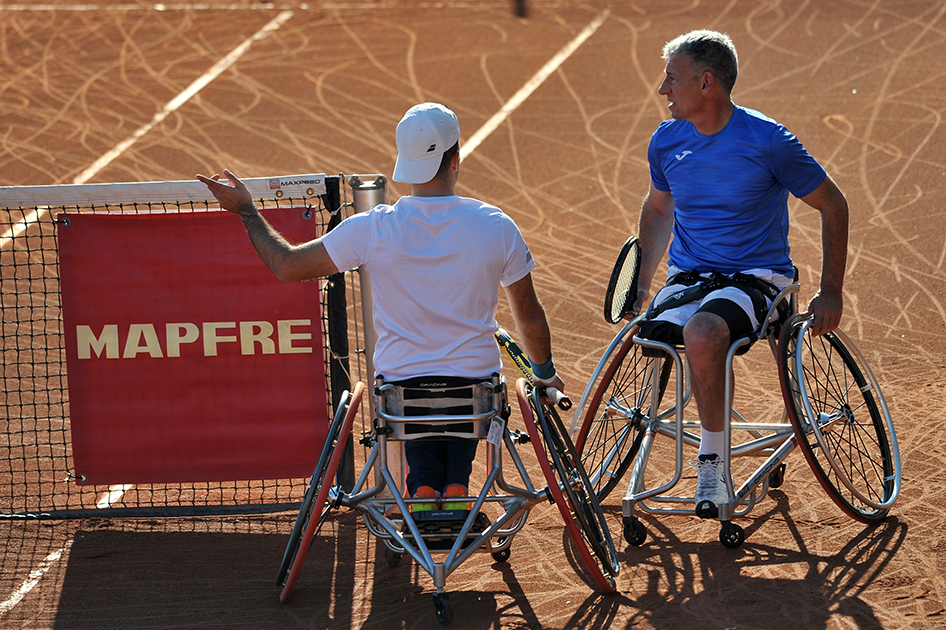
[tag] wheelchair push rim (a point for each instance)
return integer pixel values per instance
(580, 511)
(841, 419)
(616, 418)
(320, 486)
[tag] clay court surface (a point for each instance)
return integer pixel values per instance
(860, 82)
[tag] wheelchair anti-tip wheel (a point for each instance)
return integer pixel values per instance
(731, 535)
(634, 531)
(392, 558)
(443, 608)
(777, 476)
(614, 421)
(503, 554)
(314, 509)
(840, 419)
(570, 489)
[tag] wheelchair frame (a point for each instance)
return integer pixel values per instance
(388, 517)
(622, 435)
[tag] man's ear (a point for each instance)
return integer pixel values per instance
(455, 161)
(708, 80)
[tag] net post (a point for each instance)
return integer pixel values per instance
(366, 195)
(337, 307)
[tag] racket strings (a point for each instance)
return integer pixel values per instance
(623, 302)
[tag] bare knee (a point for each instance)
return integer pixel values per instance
(706, 337)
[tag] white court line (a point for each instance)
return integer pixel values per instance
(115, 493)
(532, 85)
(35, 576)
(173, 105)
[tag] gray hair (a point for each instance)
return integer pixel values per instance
(708, 51)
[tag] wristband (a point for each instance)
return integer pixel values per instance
(544, 371)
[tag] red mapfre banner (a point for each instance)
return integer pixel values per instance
(187, 359)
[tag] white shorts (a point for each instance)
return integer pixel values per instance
(682, 314)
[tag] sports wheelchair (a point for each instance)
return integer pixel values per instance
(436, 409)
(834, 412)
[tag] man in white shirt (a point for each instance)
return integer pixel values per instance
(436, 261)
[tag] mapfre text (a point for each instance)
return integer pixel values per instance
(287, 336)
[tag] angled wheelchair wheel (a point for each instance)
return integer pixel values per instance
(570, 488)
(315, 505)
(613, 425)
(841, 420)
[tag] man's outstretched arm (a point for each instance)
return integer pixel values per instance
(287, 261)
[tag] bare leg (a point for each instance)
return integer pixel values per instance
(706, 337)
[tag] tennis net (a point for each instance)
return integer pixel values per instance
(37, 479)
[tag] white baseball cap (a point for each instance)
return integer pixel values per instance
(424, 133)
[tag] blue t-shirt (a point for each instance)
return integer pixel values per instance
(730, 191)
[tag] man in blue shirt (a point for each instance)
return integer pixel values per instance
(720, 179)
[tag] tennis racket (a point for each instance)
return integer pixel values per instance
(622, 287)
(521, 361)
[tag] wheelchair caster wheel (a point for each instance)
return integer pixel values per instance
(443, 607)
(731, 535)
(392, 558)
(777, 476)
(502, 556)
(634, 531)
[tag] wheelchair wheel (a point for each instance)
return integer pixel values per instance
(840, 419)
(315, 505)
(731, 535)
(634, 531)
(570, 488)
(613, 426)
(443, 608)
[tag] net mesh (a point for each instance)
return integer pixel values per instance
(36, 476)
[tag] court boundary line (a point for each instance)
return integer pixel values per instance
(532, 84)
(115, 493)
(38, 214)
(35, 576)
(529, 87)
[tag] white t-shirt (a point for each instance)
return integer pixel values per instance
(436, 265)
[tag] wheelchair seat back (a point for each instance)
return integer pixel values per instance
(437, 407)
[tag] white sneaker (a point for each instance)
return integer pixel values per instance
(710, 485)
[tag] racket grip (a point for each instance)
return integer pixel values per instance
(558, 398)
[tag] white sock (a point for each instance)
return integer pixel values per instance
(712, 442)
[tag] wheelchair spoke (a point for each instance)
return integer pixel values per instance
(613, 424)
(570, 488)
(322, 494)
(841, 420)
